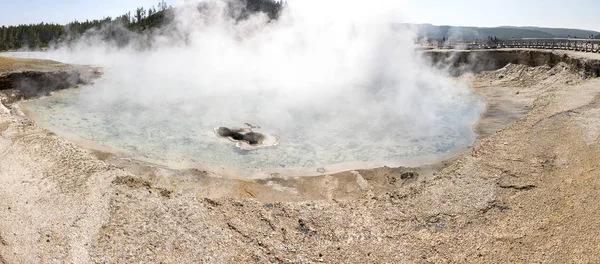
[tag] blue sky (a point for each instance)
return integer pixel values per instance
(14, 12)
(582, 14)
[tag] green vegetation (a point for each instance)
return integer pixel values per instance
(40, 35)
(270, 7)
(43, 34)
(16, 64)
(117, 29)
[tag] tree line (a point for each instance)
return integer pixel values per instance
(42, 35)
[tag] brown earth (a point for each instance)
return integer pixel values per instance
(527, 191)
(28, 78)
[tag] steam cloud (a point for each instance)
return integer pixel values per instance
(335, 73)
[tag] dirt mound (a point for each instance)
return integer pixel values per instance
(523, 75)
(456, 63)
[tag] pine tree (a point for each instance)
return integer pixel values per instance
(43, 34)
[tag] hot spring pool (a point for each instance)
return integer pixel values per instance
(179, 133)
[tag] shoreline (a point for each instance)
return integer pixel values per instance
(525, 192)
(431, 160)
(421, 163)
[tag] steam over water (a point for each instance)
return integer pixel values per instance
(179, 134)
(338, 90)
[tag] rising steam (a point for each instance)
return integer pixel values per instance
(335, 74)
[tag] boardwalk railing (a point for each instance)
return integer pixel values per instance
(584, 45)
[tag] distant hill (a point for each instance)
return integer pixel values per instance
(560, 32)
(429, 31)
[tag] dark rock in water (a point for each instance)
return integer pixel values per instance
(233, 134)
(36, 83)
(252, 138)
(237, 136)
(246, 139)
(224, 132)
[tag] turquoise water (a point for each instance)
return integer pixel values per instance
(152, 134)
(172, 124)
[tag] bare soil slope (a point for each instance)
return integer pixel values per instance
(527, 191)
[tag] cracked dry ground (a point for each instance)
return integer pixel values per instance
(528, 192)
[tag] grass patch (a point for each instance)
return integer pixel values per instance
(16, 64)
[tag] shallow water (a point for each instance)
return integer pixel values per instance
(149, 123)
(190, 141)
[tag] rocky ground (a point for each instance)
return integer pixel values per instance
(527, 191)
(28, 78)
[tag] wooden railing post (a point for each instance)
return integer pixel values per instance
(583, 45)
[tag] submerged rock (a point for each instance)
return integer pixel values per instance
(235, 134)
(247, 139)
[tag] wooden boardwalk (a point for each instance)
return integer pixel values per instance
(583, 45)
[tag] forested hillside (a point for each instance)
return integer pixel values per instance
(42, 35)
